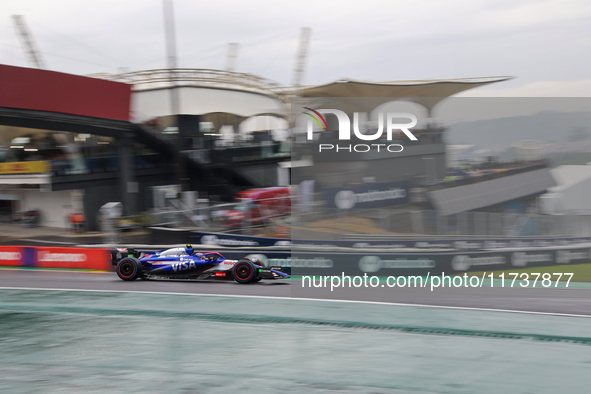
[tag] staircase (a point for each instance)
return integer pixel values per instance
(224, 181)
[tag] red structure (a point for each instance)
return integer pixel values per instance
(42, 90)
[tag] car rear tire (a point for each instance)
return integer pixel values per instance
(244, 271)
(129, 268)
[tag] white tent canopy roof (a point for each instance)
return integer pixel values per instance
(424, 92)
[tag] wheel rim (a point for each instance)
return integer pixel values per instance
(243, 271)
(127, 269)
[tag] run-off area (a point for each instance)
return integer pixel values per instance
(72, 341)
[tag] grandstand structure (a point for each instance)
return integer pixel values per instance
(236, 87)
(109, 138)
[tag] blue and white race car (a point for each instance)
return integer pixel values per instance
(185, 263)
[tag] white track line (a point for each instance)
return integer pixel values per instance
(466, 308)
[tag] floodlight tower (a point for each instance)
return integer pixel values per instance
(302, 57)
(33, 54)
(232, 54)
(181, 174)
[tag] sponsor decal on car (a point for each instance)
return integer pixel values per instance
(183, 266)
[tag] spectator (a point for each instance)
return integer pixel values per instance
(78, 220)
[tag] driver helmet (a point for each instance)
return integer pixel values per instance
(189, 249)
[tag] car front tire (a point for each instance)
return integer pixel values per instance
(129, 268)
(244, 271)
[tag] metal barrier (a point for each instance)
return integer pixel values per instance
(56, 257)
(397, 220)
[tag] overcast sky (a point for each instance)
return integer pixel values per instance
(546, 45)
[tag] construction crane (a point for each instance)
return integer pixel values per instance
(300, 66)
(33, 55)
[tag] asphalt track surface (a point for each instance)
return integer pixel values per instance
(569, 301)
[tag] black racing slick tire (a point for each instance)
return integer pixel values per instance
(244, 271)
(129, 268)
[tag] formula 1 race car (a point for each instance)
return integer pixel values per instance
(185, 263)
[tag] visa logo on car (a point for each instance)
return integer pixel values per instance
(178, 267)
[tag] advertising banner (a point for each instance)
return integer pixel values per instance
(384, 264)
(25, 167)
(11, 256)
(370, 195)
(86, 258)
(223, 239)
